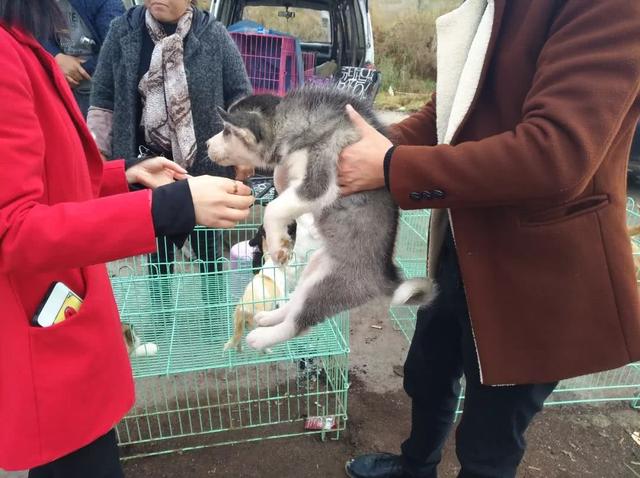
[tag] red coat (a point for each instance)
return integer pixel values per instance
(63, 213)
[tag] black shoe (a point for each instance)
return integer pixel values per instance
(376, 465)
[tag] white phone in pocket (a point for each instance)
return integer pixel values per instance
(59, 304)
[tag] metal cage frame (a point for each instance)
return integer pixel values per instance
(620, 385)
(192, 393)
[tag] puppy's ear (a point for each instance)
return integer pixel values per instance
(223, 114)
(256, 241)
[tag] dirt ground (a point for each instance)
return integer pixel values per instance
(563, 443)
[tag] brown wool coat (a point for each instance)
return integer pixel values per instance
(534, 180)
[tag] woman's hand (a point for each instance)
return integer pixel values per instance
(155, 172)
(72, 68)
(244, 172)
(219, 202)
(361, 165)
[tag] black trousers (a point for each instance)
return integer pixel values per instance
(99, 459)
(490, 436)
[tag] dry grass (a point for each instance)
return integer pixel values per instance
(405, 42)
(408, 102)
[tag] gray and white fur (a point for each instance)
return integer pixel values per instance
(300, 137)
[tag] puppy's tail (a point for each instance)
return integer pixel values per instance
(420, 291)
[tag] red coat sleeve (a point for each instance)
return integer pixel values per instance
(419, 129)
(587, 82)
(39, 237)
(114, 180)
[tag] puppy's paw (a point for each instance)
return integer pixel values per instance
(282, 253)
(267, 319)
(261, 338)
(264, 337)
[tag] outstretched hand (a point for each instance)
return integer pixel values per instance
(361, 165)
(155, 172)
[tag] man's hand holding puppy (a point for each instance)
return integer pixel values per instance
(361, 166)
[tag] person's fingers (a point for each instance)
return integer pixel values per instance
(238, 188)
(230, 185)
(345, 191)
(83, 73)
(358, 121)
(244, 190)
(171, 165)
(238, 202)
(71, 81)
(231, 214)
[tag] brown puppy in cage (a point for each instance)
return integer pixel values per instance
(634, 231)
(265, 292)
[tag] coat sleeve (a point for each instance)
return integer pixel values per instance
(234, 75)
(102, 87)
(39, 237)
(587, 82)
(419, 129)
(114, 180)
(100, 116)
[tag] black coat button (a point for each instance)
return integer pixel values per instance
(416, 196)
(438, 194)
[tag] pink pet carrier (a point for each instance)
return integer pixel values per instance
(270, 61)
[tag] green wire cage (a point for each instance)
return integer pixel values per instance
(622, 384)
(411, 257)
(193, 394)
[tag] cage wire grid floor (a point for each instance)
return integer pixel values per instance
(192, 393)
(621, 385)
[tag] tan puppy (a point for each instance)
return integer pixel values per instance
(634, 231)
(264, 293)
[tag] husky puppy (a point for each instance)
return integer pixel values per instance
(300, 137)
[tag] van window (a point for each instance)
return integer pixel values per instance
(310, 26)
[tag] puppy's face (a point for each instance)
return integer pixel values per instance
(240, 143)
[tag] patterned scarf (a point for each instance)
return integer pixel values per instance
(166, 112)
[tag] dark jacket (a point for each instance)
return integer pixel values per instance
(535, 181)
(215, 74)
(97, 15)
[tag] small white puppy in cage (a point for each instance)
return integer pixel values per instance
(265, 292)
(300, 137)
